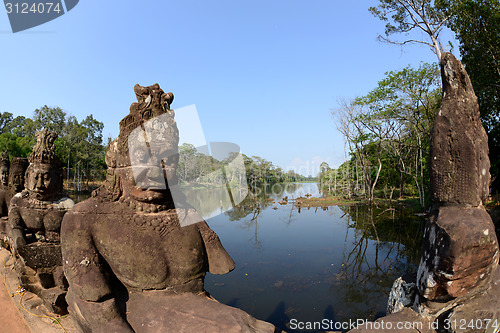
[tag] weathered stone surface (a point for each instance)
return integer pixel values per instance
(16, 174)
(149, 312)
(4, 233)
(459, 147)
(55, 300)
(405, 321)
(40, 208)
(402, 293)
(4, 170)
(128, 238)
(459, 253)
(4, 181)
(16, 183)
(37, 255)
(479, 314)
(35, 217)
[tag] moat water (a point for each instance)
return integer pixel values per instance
(336, 263)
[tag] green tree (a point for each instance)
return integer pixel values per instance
(16, 146)
(5, 119)
(476, 24)
(365, 127)
(20, 126)
(52, 118)
(409, 97)
(406, 16)
(187, 170)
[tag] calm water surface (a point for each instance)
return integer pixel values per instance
(314, 263)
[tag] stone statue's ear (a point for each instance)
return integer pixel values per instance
(117, 187)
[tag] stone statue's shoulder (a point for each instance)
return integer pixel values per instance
(18, 198)
(64, 203)
(93, 206)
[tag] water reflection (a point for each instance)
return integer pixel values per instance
(394, 236)
(334, 262)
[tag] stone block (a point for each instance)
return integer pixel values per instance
(459, 253)
(55, 300)
(37, 255)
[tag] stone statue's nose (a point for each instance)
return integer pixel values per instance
(154, 172)
(39, 182)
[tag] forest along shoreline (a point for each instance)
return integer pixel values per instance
(492, 206)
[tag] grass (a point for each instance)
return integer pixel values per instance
(411, 202)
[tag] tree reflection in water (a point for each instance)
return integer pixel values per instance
(335, 262)
(363, 275)
(258, 200)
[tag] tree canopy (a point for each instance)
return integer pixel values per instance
(476, 24)
(79, 144)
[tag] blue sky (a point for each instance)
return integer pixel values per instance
(262, 74)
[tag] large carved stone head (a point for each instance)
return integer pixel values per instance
(143, 159)
(44, 173)
(17, 173)
(4, 170)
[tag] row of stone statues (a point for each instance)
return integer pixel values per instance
(11, 179)
(122, 261)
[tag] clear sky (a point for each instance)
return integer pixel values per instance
(262, 74)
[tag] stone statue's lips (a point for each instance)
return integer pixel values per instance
(148, 195)
(153, 177)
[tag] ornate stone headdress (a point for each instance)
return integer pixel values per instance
(18, 165)
(44, 149)
(4, 161)
(44, 153)
(152, 103)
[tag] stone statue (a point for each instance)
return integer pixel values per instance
(16, 176)
(4, 170)
(457, 285)
(4, 183)
(16, 183)
(35, 217)
(131, 263)
(460, 249)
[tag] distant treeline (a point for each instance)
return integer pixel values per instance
(81, 149)
(79, 145)
(195, 166)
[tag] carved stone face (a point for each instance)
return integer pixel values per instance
(42, 181)
(17, 181)
(150, 180)
(4, 175)
(153, 157)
